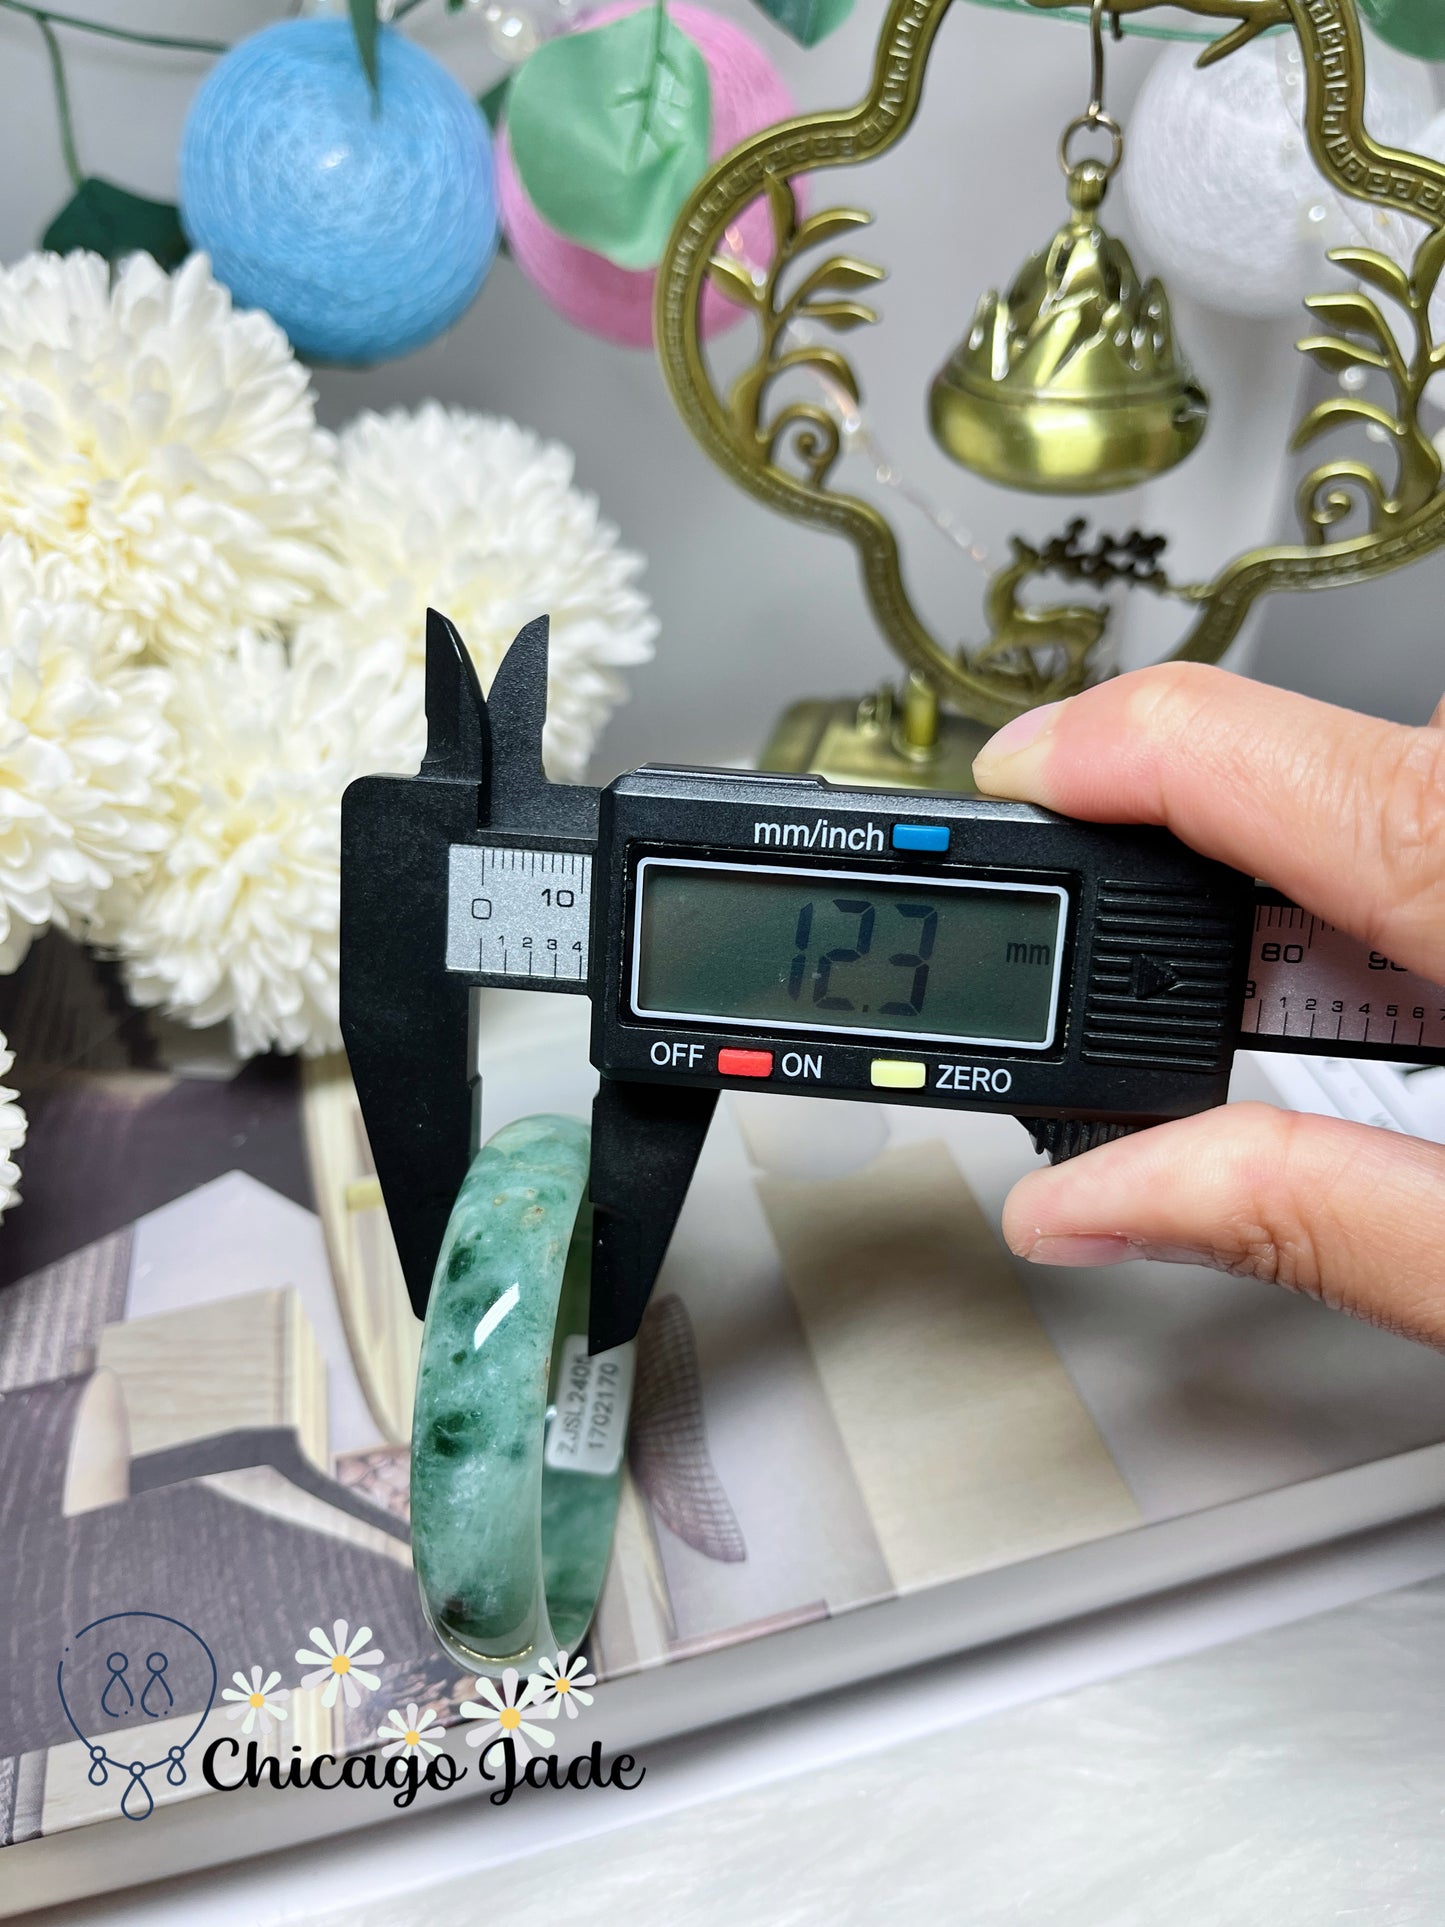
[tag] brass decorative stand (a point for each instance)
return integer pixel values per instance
(784, 447)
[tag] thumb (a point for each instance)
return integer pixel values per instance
(1342, 1212)
(1344, 813)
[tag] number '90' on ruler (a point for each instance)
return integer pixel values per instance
(1310, 980)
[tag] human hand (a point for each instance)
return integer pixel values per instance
(1344, 814)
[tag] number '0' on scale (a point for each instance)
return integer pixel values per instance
(519, 914)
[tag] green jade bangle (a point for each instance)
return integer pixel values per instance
(517, 1435)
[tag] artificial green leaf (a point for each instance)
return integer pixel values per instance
(808, 21)
(609, 133)
(363, 25)
(494, 100)
(110, 221)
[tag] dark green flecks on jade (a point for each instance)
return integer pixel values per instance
(487, 1521)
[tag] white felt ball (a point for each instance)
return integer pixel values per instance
(1227, 202)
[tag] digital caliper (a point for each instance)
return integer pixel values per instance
(749, 931)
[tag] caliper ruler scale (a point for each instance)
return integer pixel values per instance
(748, 930)
(1313, 987)
(520, 917)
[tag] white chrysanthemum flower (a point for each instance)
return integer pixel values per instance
(479, 518)
(163, 443)
(86, 751)
(12, 1133)
(240, 917)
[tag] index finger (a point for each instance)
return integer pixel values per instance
(1343, 813)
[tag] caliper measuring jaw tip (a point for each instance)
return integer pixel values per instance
(406, 1014)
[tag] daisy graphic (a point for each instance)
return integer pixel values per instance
(256, 1700)
(503, 1716)
(407, 1731)
(559, 1684)
(338, 1661)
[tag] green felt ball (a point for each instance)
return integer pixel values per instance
(1413, 26)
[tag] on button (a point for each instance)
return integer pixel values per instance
(745, 1063)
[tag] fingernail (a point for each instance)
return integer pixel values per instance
(1080, 1251)
(1014, 740)
(1114, 1249)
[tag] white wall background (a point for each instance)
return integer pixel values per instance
(756, 611)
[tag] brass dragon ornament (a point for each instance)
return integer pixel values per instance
(786, 455)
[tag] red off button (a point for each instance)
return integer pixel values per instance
(745, 1063)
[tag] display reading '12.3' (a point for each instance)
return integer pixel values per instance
(782, 949)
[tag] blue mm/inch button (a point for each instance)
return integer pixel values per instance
(930, 837)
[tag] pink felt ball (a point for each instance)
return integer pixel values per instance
(592, 292)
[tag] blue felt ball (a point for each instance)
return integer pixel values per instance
(363, 225)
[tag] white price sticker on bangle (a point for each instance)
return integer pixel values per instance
(588, 1426)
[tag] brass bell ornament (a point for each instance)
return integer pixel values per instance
(1072, 383)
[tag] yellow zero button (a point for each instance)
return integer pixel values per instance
(897, 1074)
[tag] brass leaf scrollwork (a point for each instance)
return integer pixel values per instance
(824, 295)
(788, 458)
(1362, 343)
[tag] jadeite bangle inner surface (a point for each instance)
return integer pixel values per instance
(517, 1439)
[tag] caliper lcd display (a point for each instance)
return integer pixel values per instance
(956, 961)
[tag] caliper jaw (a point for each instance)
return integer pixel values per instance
(646, 1141)
(404, 1016)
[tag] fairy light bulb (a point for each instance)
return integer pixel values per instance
(511, 33)
(1227, 202)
